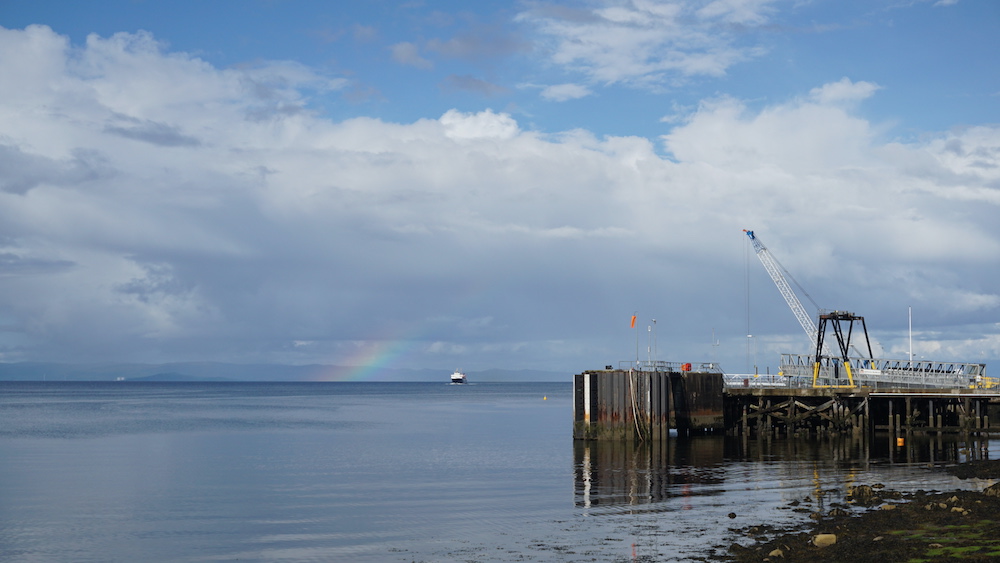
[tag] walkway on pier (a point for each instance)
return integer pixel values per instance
(801, 371)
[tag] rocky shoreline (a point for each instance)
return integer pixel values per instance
(892, 526)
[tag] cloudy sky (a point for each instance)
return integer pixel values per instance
(442, 184)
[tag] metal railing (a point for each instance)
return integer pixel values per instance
(760, 381)
(644, 365)
(798, 370)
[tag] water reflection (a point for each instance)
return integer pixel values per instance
(930, 449)
(610, 473)
(617, 473)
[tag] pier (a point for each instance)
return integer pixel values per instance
(645, 401)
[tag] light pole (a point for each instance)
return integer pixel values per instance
(649, 344)
(656, 356)
(715, 344)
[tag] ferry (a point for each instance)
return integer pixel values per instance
(458, 378)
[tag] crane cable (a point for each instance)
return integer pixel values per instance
(797, 284)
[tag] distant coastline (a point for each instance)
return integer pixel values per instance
(218, 371)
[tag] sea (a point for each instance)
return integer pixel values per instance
(399, 472)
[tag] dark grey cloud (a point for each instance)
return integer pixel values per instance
(22, 171)
(151, 132)
(158, 280)
(16, 265)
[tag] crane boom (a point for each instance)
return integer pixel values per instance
(774, 269)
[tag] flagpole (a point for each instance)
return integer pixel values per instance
(636, 339)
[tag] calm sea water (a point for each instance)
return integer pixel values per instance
(390, 472)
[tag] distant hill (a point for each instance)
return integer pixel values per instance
(212, 371)
(175, 377)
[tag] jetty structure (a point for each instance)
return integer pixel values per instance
(838, 388)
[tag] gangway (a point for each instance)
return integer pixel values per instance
(802, 371)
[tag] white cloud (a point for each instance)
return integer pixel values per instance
(482, 125)
(564, 92)
(843, 91)
(793, 137)
(743, 12)
(183, 211)
(644, 42)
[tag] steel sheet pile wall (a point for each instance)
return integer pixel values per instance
(699, 401)
(645, 405)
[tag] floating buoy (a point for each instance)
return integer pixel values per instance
(545, 398)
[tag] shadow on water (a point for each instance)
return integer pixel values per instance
(619, 473)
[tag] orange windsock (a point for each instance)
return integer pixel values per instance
(633, 322)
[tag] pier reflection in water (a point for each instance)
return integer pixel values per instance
(648, 476)
(622, 473)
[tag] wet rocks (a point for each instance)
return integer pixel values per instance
(863, 495)
(949, 505)
(978, 469)
(824, 540)
(937, 525)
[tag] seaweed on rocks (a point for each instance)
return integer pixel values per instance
(976, 469)
(922, 526)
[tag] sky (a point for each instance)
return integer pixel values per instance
(476, 185)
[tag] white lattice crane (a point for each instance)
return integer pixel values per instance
(775, 270)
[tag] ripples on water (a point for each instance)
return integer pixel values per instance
(393, 472)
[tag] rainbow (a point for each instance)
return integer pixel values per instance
(369, 360)
(366, 360)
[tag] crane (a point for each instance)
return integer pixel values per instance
(774, 269)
